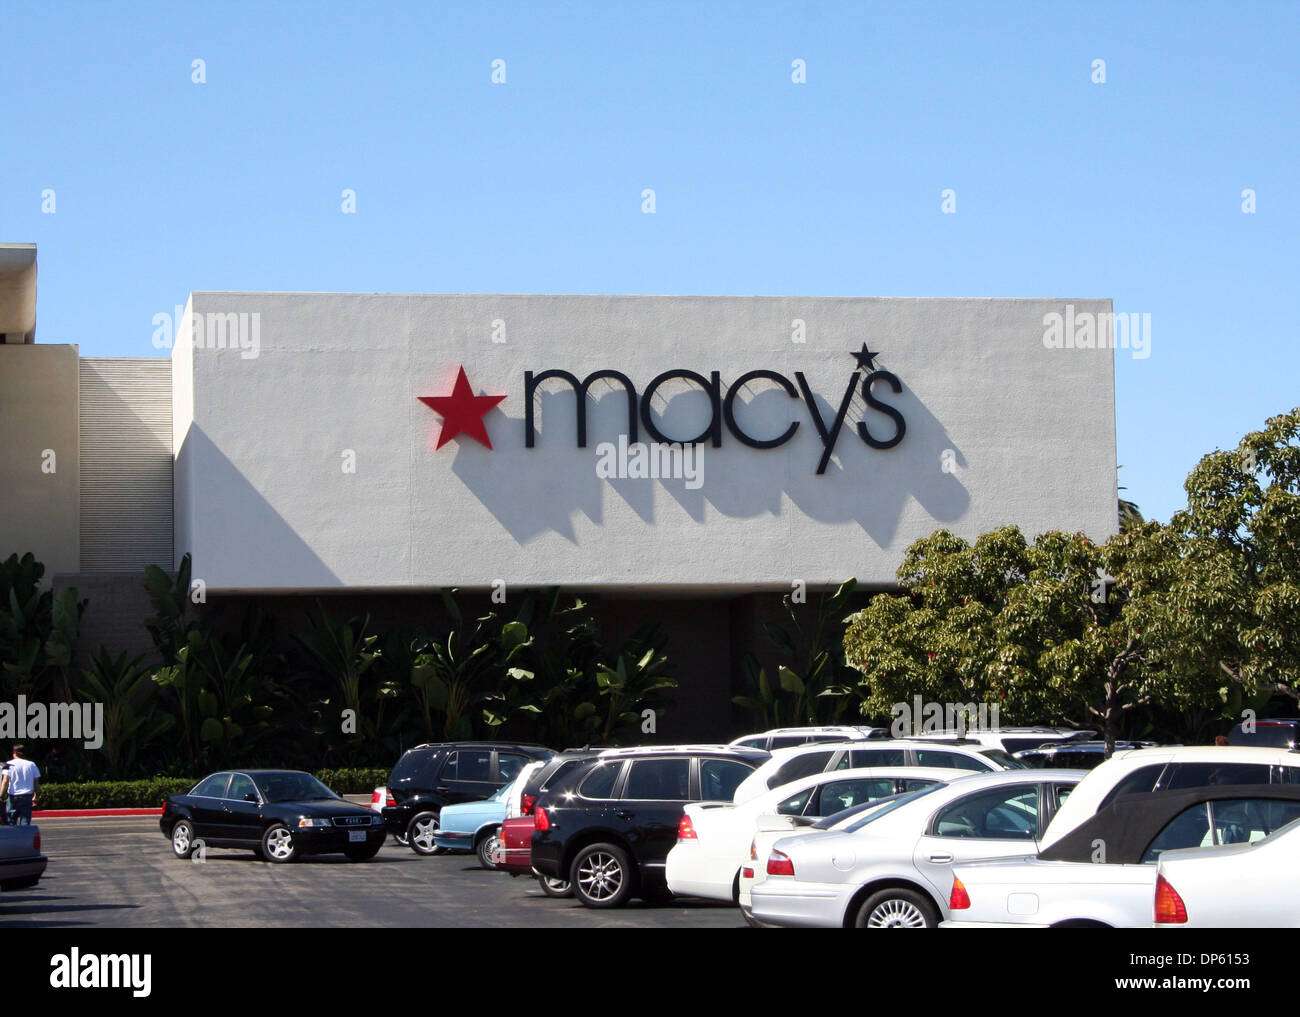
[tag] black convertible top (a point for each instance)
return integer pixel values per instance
(1129, 824)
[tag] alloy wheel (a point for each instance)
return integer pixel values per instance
(896, 914)
(600, 875)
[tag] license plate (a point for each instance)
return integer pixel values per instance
(357, 835)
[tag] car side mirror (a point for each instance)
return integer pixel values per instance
(250, 797)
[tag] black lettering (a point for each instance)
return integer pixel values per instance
(729, 413)
(828, 437)
(900, 425)
(580, 388)
(712, 385)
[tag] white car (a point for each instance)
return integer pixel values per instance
(803, 760)
(1169, 769)
(1246, 885)
(714, 837)
(772, 828)
(893, 867)
(1010, 739)
(788, 737)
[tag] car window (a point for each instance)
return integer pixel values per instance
(1244, 821)
(1210, 774)
(1002, 759)
(801, 766)
(1002, 814)
(950, 760)
(560, 773)
(1062, 793)
(788, 741)
(915, 784)
(877, 757)
(838, 795)
(509, 765)
(599, 783)
(416, 767)
(753, 743)
(469, 764)
(1190, 828)
(1140, 781)
(719, 778)
(212, 787)
(898, 801)
(795, 804)
(240, 785)
(659, 780)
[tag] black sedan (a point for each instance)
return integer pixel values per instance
(278, 814)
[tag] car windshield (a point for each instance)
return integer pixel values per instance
(292, 787)
(893, 805)
(1010, 762)
(504, 793)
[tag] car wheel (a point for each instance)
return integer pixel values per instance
(419, 834)
(362, 852)
(400, 839)
(553, 887)
(183, 839)
(602, 876)
(487, 844)
(278, 845)
(897, 908)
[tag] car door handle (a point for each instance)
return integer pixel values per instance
(941, 859)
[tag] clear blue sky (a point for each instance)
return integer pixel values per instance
(1129, 189)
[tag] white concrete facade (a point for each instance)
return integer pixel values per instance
(305, 459)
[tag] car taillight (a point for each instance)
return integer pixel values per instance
(1170, 909)
(959, 900)
(375, 797)
(686, 829)
(389, 801)
(526, 805)
(36, 843)
(779, 864)
(542, 820)
(746, 873)
(753, 850)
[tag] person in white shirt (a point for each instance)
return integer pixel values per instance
(22, 781)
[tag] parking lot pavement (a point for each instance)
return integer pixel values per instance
(121, 873)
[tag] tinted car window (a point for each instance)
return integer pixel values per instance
(509, 765)
(240, 785)
(795, 804)
(1140, 781)
(719, 779)
(556, 776)
(1020, 744)
(951, 760)
(801, 766)
(469, 764)
(1004, 814)
(599, 783)
(877, 757)
(212, 787)
(1190, 828)
(786, 741)
(1248, 820)
(844, 794)
(1208, 774)
(417, 767)
(659, 780)
(917, 784)
(753, 743)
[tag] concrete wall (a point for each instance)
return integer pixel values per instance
(999, 429)
(39, 452)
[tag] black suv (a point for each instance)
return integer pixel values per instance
(609, 825)
(428, 777)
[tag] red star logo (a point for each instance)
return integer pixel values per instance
(462, 412)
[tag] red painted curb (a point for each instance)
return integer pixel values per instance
(87, 813)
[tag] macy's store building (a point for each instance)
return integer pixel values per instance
(684, 460)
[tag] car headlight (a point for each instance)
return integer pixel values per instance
(309, 821)
(376, 820)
